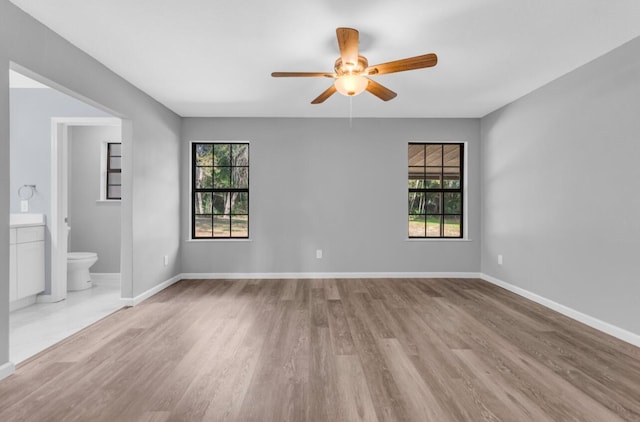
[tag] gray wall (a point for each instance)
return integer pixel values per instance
(320, 184)
(560, 197)
(95, 225)
(31, 110)
(151, 204)
(4, 184)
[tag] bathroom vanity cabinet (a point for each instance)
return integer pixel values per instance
(26, 263)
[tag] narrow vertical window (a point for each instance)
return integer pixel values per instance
(114, 170)
(220, 190)
(436, 190)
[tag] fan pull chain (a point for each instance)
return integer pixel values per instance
(350, 112)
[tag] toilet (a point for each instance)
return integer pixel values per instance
(78, 264)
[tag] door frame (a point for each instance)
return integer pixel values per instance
(59, 198)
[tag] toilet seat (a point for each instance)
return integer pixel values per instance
(81, 255)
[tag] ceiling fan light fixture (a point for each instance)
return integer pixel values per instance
(351, 85)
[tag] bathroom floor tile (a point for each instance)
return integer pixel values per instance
(36, 327)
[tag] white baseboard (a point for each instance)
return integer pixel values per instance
(605, 327)
(6, 370)
(43, 298)
(105, 278)
(152, 291)
(236, 276)
(592, 322)
(22, 303)
(217, 276)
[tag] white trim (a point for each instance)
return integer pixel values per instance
(217, 276)
(191, 276)
(436, 239)
(222, 239)
(42, 298)
(59, 193)
(22, 303)
(152, 291)
(592, 322)
(106, 278)
(103, 171)
(6, 370)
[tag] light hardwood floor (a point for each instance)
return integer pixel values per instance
(330, 350)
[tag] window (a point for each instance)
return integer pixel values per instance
(436, 190)
(220, 190)
(114, 170)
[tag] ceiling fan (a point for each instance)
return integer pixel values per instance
(351, 70)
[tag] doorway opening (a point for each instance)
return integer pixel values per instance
(56, 146)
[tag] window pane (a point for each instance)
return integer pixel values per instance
(202, 203)
(204, 155)
(416, 183)
(451, 181)
(239, 203)
(203, 226)
(115, 163)
(240, 177)
(433, 225)
(222, 154)
(115, 178)
(416, 155)
(452, 203)
(434, 155)
(204, 177)
(221, 226)
(416, 177)
(115, 149)
(221, 177)
(114, 192)
(416, 226)
(451, 155)
(240, 154)
(220, 203)
(433, 178)
(416, 203)
(452, 226)
(434, 203)
(240, 226)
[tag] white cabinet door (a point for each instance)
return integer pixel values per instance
(30, 257)
(13, 280)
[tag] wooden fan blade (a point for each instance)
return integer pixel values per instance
(326, 94)
(303, 75)
(348, 44)
(380, 91)
(411, 63)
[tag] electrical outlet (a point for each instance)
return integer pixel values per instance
(499, 259)
(319, 253)
(166, 260)
(24, 206)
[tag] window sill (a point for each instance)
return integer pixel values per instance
(219, 240)
(437, 239)
(108, 201)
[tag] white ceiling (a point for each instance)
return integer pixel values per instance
(215, 57)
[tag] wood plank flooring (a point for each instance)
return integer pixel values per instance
(330, 350)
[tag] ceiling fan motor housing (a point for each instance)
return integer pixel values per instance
(342, 69)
